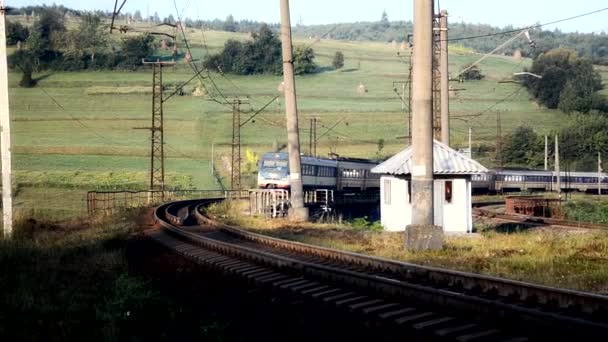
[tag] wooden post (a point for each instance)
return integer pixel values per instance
(5, 134)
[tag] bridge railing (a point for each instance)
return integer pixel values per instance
(106, 202)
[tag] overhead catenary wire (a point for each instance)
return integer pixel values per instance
(528, 27)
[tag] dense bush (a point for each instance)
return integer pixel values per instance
(568, 82)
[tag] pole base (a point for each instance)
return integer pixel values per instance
(421, 237)
(298, 214)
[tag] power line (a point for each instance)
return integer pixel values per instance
(528, 27)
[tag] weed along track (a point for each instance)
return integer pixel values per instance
(430, 303)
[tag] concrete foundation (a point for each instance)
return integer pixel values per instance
(298, 214)
(420, 237)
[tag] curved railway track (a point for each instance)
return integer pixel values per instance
(425, 301)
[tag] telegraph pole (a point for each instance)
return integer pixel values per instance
(422, 234)
(443, 65)
(5, 135)
(297, 212)
(557, 172)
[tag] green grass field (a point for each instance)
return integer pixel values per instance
(72, 132)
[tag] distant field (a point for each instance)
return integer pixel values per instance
(87, 127)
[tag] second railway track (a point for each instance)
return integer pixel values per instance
(443, 304)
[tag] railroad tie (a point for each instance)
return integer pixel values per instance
(308, 285)
(365, 304)
(411, 318)
(377, 308)
(290, 285)
(349, 300)
(269, 279)
(315, 289)
(338, 296)
(432, 323)
(327, 292)
(455, 329)
(387, 315)
(475, 336)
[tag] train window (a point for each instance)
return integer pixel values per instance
(448, 191)
(387, 191)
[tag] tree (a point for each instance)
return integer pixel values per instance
(50, 26)
(304, 60)
(472, 73)
(384, 23)
(580, 140)
(88, 39)
(16, 32)
(568, 83)
(136, 48)
(338, 61)
(137, 15)
(523, 147)
(170, 19)
(229, 24)
(262, 55)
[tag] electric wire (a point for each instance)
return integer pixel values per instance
(527, 27)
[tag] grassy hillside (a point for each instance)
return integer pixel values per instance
(68, 134)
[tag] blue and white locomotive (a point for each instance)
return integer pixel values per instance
(342, 174)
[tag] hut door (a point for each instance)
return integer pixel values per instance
(438, 202)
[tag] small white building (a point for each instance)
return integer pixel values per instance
(452, 186)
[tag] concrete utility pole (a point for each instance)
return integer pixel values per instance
(422, 234)
(557, 172)
(5, 135)
(546, 153)
(297, 212)
(443, 70)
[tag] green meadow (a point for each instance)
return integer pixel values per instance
(76, 131)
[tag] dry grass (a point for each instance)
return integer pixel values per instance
(101, 90)
(575, 260)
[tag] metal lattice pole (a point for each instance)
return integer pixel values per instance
(157, 146)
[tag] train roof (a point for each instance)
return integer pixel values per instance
(546, 173)
(284, 155)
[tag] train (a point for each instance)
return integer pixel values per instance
(341, 174)
(353, 174)
(535, 180)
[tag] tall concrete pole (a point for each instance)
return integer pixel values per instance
(546, 153)
(5, 134)
(297, 212)
(422, 234)
(557, 172)
(443, 70)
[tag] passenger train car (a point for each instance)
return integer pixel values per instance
(532, 180)
(342, 174)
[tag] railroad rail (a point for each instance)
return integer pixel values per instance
(437, 302)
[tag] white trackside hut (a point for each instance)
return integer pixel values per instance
(452, 172)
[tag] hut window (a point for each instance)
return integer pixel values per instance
(409, 192)
(448, 191)
(387, 191)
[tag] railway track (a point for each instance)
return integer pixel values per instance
(434, 303)
(532, 221)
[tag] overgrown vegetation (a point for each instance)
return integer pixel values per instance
(567, 82)
(576, 261)
(73, 282)
(587, 210)
(261, 55)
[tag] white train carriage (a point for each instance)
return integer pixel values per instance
(343, 174)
